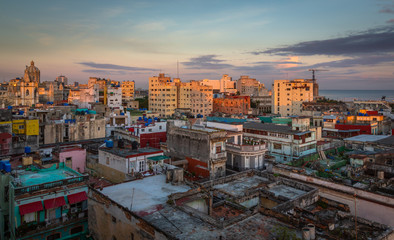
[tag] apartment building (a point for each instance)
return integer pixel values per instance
(49, 203)
(128, 91)
(247, 86)
(285, 143)
(224, 85)
(288, 96)
(163, 95)
(166, 95)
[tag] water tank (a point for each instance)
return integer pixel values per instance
(7, 167)
(21, 112)
(146, 124)
(140, 119)
(312, 231)
(156, 118)
(306, 234)
(122, 114)
(9, 107)
(149, 120)
(109, 144)
(27, 149)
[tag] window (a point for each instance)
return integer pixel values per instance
(21, 127)
(98, 129)
(113, 219)
(132, 236)
(277, 146)
(160, 127)
(218, 149)
(141, 165)
(30, 217)
(54, 236)
(76, 230)
(107, 161)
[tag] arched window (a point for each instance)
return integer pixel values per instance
(27, 92)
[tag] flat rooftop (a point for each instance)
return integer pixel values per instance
(125, 152)
(146, 195)
(238, 187)
(270, 127)
(366, 138)
(34, 176)
(286, 191)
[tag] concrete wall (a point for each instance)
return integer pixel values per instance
(371, 206)
(109, 220)
(78, 158)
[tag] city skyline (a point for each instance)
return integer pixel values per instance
(266, 40)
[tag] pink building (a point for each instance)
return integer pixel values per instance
(73, 156)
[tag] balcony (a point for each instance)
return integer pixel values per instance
(215, 156)
(36, 227)
(245, 148)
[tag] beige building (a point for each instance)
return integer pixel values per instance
(127, 91)
(225, 84)
(288, 96)
(166, 95)
(163, 97)
(247, 86)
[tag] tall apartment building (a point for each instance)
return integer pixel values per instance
(128, 91)
(224, 85)
(247, 86)
(288, 96)
(165, 95)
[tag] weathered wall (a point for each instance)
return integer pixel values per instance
(109, 220)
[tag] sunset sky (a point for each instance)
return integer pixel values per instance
(267, 40)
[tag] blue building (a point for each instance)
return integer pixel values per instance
(43, 204)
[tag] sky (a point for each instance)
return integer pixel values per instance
(133, 40)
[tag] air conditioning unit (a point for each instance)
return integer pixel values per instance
(67, 206)
(74, 210)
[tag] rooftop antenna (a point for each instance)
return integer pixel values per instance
(177, 68)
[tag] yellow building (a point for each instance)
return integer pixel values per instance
(166, 95)
(288, 96)
(163, 95)
(25, 127)
(127, 91)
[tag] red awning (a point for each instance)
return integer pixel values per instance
(54, 202)
(77, 197)
(30, 207)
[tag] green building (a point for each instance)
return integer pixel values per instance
(43, 204)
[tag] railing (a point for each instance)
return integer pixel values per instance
(29, 189)
(218, 155)
(245, 148)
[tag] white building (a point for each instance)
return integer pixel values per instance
(114, 97)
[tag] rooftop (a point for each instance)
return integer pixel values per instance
(34, 176)
(270, 127)
(127, 152)
(286, 191)
(147, 195)
(238, 187)
(366, 138)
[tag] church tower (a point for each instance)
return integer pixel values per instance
(29, 85)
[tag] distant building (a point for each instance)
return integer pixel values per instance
(232, 105)
(127, 91)
(62, 79)
(163, 95)
(288, 96)
(224, 85)
(114, 96)
(247, 86)
(44, 204)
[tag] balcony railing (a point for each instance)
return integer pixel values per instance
(29, 189)
(245, 148)
(218, 155)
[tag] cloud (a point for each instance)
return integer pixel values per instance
(206, 62)
(106, 72)
(390, 21)
(387, 9)
(378, 40)
(115, 67)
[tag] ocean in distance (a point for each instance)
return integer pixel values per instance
(350, 95)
